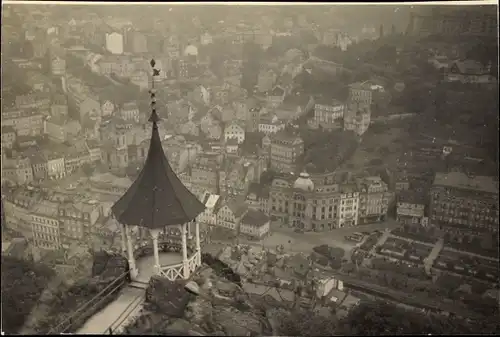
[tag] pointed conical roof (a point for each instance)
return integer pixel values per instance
(157, 198)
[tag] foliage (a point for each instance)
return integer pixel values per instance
(305, 323)
(370, 242)
(68, 299)
(22, 285)
(221, 268)
(372, 318)
(88, 170)
(379, 318)
(325, 150)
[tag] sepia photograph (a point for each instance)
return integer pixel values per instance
(250, 168)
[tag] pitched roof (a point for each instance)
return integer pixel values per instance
(157, 198)
(237, 207)
(255, 218)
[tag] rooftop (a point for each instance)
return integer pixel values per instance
(411, 197)
(462, 180)
(255, 218)
(157, 198)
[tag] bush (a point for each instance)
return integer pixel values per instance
(106, 268)
(221, 268)
(22, 285)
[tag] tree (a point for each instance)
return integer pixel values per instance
(88, 170)
(22, 285)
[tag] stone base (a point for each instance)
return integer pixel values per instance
(134, 272)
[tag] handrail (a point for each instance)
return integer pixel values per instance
(120, 319)
(97, 303)
(68, 319)
(172, 266)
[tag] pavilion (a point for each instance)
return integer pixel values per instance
(157, 201)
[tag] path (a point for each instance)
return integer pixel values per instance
(381, 241)
(129, 302)
(429, 260)
(114, 313)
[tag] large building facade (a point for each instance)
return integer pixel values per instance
(312, 203)
(462, 205)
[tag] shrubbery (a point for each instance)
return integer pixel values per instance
(22, 285)
(106, 268)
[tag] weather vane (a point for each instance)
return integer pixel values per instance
(156, 72)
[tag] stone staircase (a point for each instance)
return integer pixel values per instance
(138, 285)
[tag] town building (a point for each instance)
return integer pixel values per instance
(410, 207)
(451, 21)
(25, 123)
(328, 114)
(349, 206)
(275, 97)
(270, 124)
(258, 197)
(235, 130)
(230, 214)
(319, 203)
(130, 112)
(8, 137)
(374, 199)
(58, 66)
(46, 226)
(212, 202)
(357, 118)
(19, 205)
(78, 219)
(56, 169)
(17, 170)
(34, 100)
(116, 65)
(361, 92)
(462, 204)
(61, 129)
(469, 71)
(114, 43)
(205, 177)
(285, 149)
(59, 106)
(255, 224)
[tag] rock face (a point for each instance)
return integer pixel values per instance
(107, 265)
(192, 287)
(169, 298)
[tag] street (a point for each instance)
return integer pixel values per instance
(304, 242)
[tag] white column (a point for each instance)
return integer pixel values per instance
(198, 245)
(184, 252)
(154, 234)
(124, 238)
(130, 249)
(189, 230)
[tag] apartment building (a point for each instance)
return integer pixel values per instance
(410, 207)
(374, 199)
(328, 113)
(285, 149)
(25, 123)
(463, 204)
(46, 226)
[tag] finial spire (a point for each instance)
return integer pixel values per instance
(154, 116)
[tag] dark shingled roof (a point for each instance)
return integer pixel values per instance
(157, 198)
